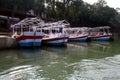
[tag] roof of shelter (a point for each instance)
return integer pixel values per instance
(11, 13)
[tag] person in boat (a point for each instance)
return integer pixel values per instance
(61, 28)
(98, 34)
(53, 29)
(104, 33)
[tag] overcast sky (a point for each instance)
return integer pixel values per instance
(111, 3)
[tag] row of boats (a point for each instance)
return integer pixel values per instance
(32, 32)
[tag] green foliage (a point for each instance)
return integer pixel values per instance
(77, 12)
(115, 22)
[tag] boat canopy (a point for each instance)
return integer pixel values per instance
(102, 27)
(37, 22)
(78, 29)
(99, 28)
(56, 24)
(28, 22)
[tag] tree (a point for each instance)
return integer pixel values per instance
(102, 3)
(77, 12)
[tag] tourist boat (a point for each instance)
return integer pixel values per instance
(54, 36)
(100, 33)
(26, 33)
(77, 34)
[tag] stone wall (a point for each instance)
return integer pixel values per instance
(7, 42)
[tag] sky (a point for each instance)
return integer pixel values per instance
(112, 3)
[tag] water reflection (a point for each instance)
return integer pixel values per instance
(8, 58)
(101, 43)
(81, 46)
(29, 53)
(8, 54)
(100, 47)
(54, 49)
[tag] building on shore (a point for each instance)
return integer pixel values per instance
(8, 17)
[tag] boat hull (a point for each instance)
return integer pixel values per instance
(29, 41)
(25, 43)
(55, 41)
(101, 38)
(78, 39)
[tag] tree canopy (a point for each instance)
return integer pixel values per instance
(77, 12)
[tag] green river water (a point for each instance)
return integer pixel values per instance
(77, 61)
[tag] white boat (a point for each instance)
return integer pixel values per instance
(26, 33)
(77, 34)
(100, 33)
(54, 37)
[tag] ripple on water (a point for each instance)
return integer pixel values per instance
(26, 72)
(96, 69)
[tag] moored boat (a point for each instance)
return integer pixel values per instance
(26, 33)
(77, 34)
(100, 33)
(54, 37)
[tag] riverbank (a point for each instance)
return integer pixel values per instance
(7, 42)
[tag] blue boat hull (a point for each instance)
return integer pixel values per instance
(101, 38)
(80, 39)
(55, 41)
